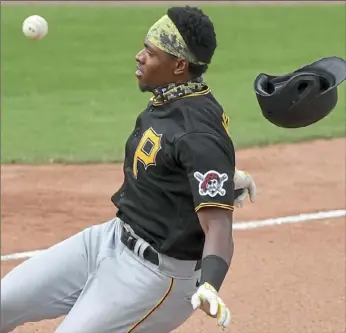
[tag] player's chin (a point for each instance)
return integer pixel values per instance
(143, 84)
(144, 87)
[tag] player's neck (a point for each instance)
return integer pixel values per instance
(177, 90)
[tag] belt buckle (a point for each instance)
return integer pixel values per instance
(131, 242)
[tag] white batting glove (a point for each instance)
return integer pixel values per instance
(244, 181)
(217, 308)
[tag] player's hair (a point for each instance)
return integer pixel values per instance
(198, 33)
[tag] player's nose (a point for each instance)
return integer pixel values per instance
(140, 56)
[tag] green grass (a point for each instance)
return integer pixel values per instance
(73, 97)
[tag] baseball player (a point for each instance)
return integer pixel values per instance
(167, 251)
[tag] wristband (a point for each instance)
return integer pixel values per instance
(213, 271)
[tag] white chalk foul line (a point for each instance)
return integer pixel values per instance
(21, 255)
(236, 226)
(332, 214)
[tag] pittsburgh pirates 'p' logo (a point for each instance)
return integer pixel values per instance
(147, 149)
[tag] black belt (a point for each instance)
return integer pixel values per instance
(149, 253)
(130, 242)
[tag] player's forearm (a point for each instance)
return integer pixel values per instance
(219, 241)
(218, 248)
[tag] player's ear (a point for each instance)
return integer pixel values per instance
(181, 65)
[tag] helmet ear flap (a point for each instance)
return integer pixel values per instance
(303, 97)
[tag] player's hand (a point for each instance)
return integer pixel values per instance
(244, 181)
(207, 299)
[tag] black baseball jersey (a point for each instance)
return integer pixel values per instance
(178, 159)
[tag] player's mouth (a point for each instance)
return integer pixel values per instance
(139, 72)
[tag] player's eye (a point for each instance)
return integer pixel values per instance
(149, 53)
(148, 50)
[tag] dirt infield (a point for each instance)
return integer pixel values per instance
(284, 279)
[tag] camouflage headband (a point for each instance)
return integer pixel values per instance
(165, 35)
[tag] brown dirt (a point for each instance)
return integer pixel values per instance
(287, 279)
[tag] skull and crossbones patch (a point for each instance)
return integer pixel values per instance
(211, 183)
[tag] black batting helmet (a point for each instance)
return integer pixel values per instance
(303, 97)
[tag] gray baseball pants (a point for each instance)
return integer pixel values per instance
(100, 285)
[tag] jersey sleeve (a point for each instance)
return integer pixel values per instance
(210, 165)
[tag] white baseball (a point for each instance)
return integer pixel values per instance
(35, 27)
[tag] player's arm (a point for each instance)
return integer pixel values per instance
(209, 162)
(218, 246)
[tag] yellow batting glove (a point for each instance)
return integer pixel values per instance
(207, 295)
(244, 181)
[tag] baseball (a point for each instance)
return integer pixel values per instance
(35, 27)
